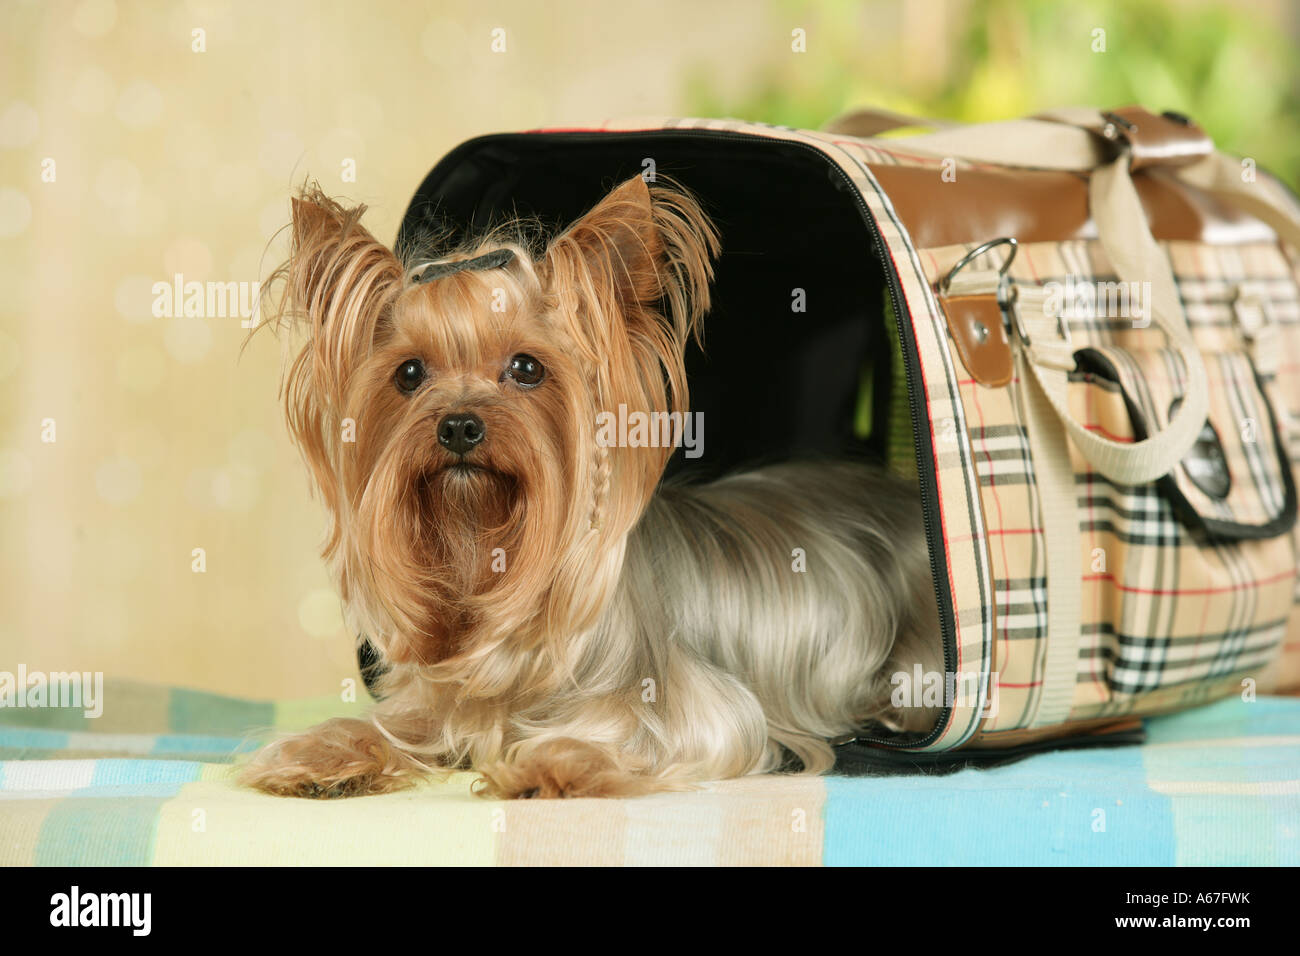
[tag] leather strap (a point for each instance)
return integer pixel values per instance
(977, 329)
(1169, 139)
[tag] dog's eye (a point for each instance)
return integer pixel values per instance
(409, 375)
(526, 370)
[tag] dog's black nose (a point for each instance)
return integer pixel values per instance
(460, 431)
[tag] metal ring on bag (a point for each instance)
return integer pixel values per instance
(979, 250)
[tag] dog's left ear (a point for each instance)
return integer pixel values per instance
(630, 282)
(643, 257)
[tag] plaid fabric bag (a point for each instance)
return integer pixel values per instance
(1090, 330)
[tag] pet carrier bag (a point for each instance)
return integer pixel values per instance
(1082, 329)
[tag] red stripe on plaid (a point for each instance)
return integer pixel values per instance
(1104, 433)
(1184, 592)
(1015, 380)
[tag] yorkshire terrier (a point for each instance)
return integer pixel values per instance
(548, 613)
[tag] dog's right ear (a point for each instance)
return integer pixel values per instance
(339, 275)
(340, 286)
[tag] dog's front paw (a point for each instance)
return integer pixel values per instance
(567, 768)
(339, 758)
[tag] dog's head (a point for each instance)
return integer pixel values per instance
(448, 412)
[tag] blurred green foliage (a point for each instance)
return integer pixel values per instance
(1233, 67)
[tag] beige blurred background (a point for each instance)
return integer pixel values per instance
(129, 155)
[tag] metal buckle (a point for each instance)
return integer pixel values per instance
(1062, 329)
(1006, 292)
(979, 250)
(1014, 315)
(1117, 129)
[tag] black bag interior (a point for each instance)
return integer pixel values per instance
(772, 383)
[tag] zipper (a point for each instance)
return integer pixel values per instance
(921, 434)
(925, 468)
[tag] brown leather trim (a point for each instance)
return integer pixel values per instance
(1046, 206)
(975, 324)
(1160, 140)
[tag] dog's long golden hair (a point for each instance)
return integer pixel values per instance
(544, 617)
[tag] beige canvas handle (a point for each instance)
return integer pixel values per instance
(1133, 253)
(1066, 141)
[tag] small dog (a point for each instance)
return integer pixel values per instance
(548, 615)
